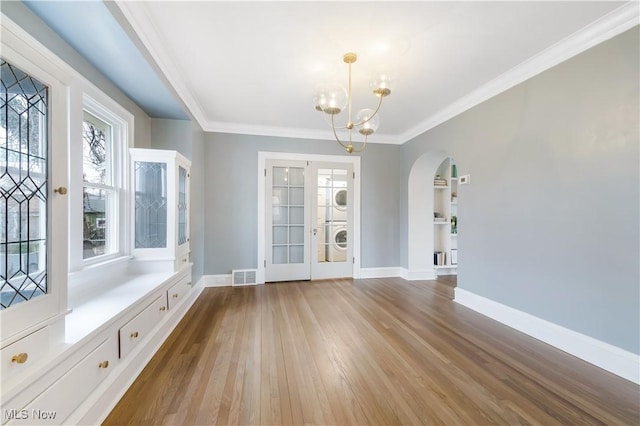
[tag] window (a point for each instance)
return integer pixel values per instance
(99, 215)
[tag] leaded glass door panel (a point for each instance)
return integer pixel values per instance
(183, 229)
(33, 217)
(150, 186)
(23, 181)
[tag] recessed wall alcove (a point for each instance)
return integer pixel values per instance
(420, 210)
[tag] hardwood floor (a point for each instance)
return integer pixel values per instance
(376, 351)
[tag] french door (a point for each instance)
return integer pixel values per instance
(309, 218)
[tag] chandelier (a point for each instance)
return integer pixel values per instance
(333, 99)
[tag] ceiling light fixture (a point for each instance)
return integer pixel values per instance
(333, 99)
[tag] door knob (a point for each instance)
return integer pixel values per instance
(62, 190)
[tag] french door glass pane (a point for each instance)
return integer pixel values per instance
(331, 218)
(23, 186)
(287, 191)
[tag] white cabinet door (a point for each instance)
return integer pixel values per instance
(33, 194)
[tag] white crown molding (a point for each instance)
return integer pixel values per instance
(152, 40)
(287, 132)
(616, 22)
(604, 355)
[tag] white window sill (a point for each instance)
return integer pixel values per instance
(87, 282)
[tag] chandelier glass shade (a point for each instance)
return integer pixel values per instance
(332, 99)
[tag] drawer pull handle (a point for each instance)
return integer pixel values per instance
(21, 358)
(134, 335)
(163, 308)
(189, 283)
(175, 296)
(103, 364)
(184, 260)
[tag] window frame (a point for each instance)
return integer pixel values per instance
(92, 101)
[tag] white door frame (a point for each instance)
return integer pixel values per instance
(262, 158)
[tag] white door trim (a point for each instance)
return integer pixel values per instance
(263, 156)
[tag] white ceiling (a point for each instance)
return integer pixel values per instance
(252, 67)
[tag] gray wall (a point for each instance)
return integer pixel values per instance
(550, 222)
(231, 198)
(188, 139)
(31, 23)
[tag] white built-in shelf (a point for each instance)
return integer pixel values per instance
(454, 235)
(441, 186)
(454, 202)
(440, 223)
(454, 178)
(446, 266)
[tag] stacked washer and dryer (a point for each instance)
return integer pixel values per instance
(337, 226)
(333, 214)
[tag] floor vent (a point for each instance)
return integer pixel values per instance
(244, 276)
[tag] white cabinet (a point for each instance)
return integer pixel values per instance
(33, 209)
(160, 180)
(445, 217)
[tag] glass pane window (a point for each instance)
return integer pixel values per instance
(99, 195)
(96, 150)
(23, 186)
(97, 221)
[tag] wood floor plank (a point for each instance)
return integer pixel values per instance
(375, 351)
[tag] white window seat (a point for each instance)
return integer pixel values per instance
(103, 303)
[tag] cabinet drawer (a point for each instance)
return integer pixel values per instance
(136, 330)
(176, 292)
(25, 353)
(57, 403)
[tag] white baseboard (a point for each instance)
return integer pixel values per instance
(222, 280)
(604, 355)
(385, 272)
(415, 275)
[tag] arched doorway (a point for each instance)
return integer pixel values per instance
(426, 234)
